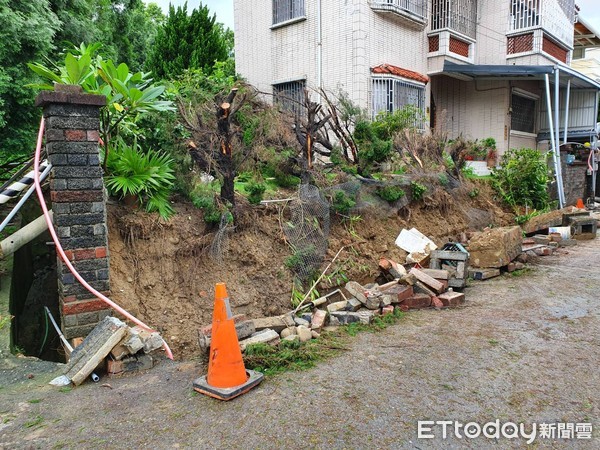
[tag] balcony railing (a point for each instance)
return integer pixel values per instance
(458, 15)
(554, 16)
(410, 8)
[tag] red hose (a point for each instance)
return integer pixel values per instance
(61, 252)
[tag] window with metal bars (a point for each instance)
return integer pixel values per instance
(415, 7)
(284, 10)
(390, 94)
(290, 96)
(522, 117)
(457, 15)
(524, 14)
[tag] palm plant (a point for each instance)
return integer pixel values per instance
(148, 175)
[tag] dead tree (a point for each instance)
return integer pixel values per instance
(310, 131)
(341, 130)
(212, 146)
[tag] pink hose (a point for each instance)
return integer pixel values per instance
(61, 252)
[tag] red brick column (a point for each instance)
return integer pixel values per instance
(78, 202)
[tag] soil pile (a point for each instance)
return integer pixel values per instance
(164, 273)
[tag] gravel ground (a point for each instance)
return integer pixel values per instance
(524, 349)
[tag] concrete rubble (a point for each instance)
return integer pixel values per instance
(116, 346)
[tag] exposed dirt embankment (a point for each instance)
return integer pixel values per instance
(163, 272)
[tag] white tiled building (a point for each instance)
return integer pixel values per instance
(481, 68)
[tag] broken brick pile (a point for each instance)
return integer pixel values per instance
(122, 348)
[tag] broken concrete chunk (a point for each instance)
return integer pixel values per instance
(318, 319)
(372, 301)
(303, 333)
(94, 348)
(496, 247)
(357, 291)
(430, 282)
(438, 274)
(408, 279)
(420, 288)
(266, 336)
(393, 268)
(353, 304)
(416, 244)
(483, 274)
(337, 306)
(276, 323)
(242, 329)
(291, 338)
(301, 321)
(386, 300)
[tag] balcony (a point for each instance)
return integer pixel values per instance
(410, 11)
(459, 17)
(554, 17)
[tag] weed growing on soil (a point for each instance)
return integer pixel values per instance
(256, 191)
(520, 272)
(418, 190)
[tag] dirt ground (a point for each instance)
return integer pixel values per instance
(162, 272)
(523, 349)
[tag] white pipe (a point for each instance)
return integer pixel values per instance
(23, 236)
(554, 146)
(23, 199)
(319, 47)
(561, 191)
(567, 110)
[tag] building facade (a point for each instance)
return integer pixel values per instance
(480, 68)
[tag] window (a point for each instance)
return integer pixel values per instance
(522, 117)
(412, 7)
(290, 96)
(524, 14)
(457, 15)
(284, 10)
(390, 94)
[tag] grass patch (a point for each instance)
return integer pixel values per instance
(493, 342)
(65, 389)
(520, 272)
(33, 422)
(35, 400)
(295, 356)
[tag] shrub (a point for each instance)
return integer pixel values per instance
(391, 193)
(418, 190)
(148, 176)
(255, 190)
(204, 197)
(522, 178)
(342, 203)
(443, 179)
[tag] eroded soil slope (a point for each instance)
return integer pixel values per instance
(165, 274)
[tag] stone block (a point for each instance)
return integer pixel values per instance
(303, 333)
(276, 323)
(266, 336)
(95, 347)
(483, 274)
(496, 247)
(318, 320)
(337, 306)
(357, 291)
(353, 304)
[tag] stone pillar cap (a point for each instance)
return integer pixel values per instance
(70, 94)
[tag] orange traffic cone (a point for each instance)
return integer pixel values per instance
(227, 377)
(580, 204)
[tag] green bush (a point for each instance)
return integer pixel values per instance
(342, 203)
(418, 190)
(386, 125)
(255, 190)
(391, 193)
(204, 197)
(522, 178)
(443, 179)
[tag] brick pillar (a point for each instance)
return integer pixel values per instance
(77, 194)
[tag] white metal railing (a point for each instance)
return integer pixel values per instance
(391, 94)
(554, 16)
(414, 7)
(458, 15)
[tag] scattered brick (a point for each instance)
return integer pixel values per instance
(417, 301)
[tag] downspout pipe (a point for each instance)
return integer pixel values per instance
(559, 177)
(319, 46)
(553, 142)
(567, 111)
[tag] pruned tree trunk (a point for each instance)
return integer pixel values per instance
(225, 156)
